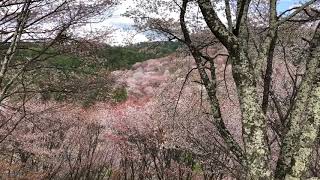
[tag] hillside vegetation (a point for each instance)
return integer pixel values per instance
(117, 57)
(62, 74)
(109, 57)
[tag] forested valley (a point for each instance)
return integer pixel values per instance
(216, 90)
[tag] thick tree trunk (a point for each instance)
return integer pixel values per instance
(289, 144)
(253, 120)
(301, 156)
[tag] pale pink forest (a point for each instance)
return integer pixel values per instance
(138, 137)
(225, 89)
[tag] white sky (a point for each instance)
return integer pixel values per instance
(122, 27)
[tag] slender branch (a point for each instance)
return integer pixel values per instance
(216, 26)
(211, 89)
(297, 11)
(16, 38)
(271, 47)
(228, 15)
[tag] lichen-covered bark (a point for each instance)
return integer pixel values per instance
(310, 129)
(216, 26)
(301, 157)
(289, 143)
(253, 120)
(210, 86)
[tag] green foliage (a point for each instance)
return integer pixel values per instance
(197, 168)
(66, 62)
(62, 76)
(124, 57)
(187, 158)
(120, 94)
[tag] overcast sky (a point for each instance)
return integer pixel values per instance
(123, 32)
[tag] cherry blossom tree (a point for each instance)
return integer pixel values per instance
(33, 34)
(253, 34)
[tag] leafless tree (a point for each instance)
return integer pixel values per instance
(254, 35)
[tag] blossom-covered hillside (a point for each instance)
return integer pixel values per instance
(166, 113)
